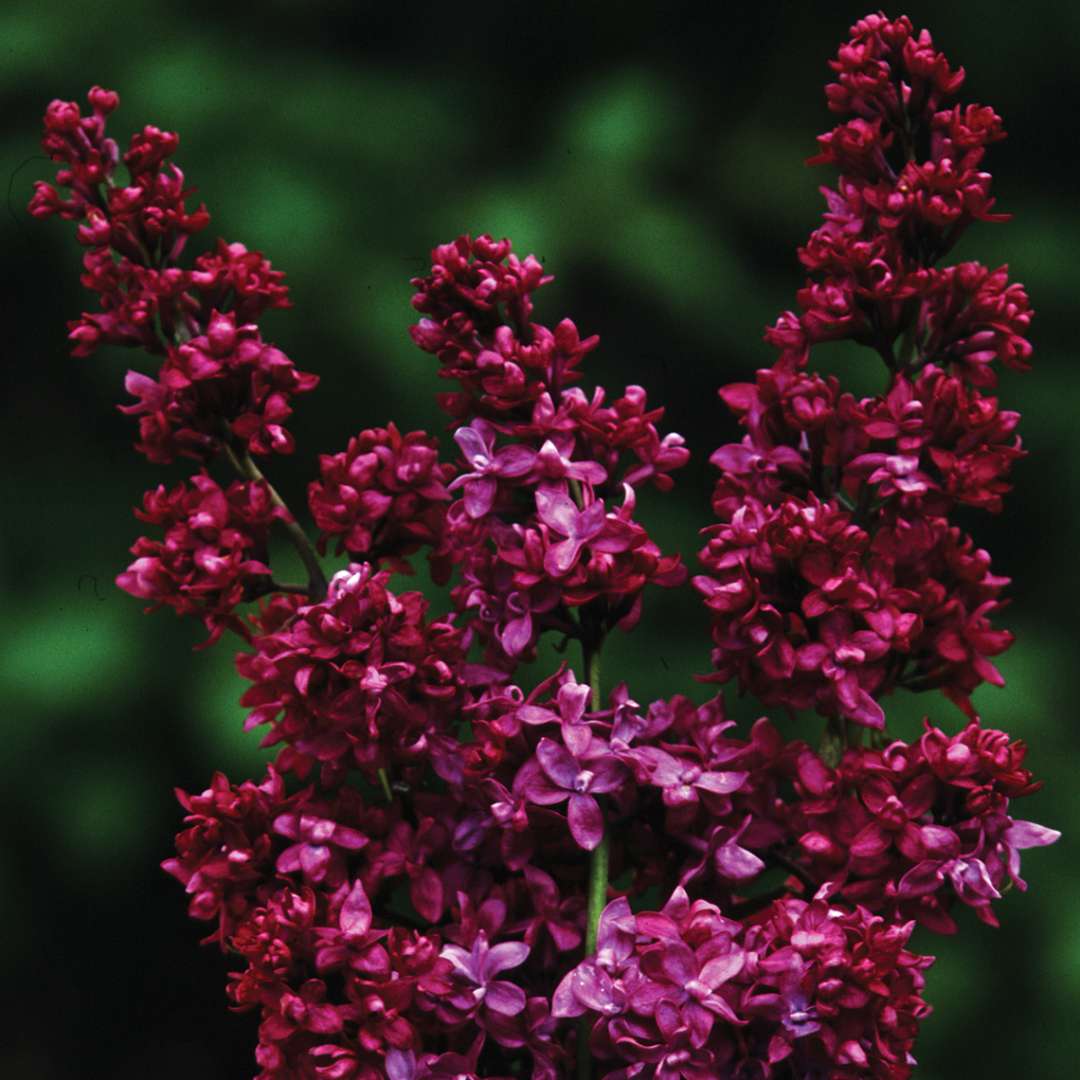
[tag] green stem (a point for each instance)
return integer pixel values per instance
(598, 869)
(384, 783)
(247, 468)
(598, 883)
(592, 673)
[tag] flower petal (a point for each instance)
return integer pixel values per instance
(480, 496)
(355, 917)
(505, 998)
(1027, 834)
(502, 957)
(586, 821)
(557, 762)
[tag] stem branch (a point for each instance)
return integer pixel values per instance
(247, 468)
(598, 864)
(384, 783)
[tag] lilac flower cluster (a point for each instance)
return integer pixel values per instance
(214, 553)
(812, 990)
(218, 378)
(543, 528)
(835, 573)
(456, 871)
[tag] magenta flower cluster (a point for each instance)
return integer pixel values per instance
(457, 869)
(835, 573)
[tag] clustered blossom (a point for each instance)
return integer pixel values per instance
(910, 830)
(218, 378)
(835, 573)
(385, 493)
(213, 554)
(815, 989)
(226, 383)
(457, 870)
(358, 680)
(543, 526)
(820, 978)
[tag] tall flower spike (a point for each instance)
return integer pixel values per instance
(835, 574)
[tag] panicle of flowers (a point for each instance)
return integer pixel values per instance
(835, 573)
(910, 830)
(359, 680)
(544, 520)
(813, 989)
(217, 373)
(225, 386)
(384, 496)
(455, 869)
(214, 554)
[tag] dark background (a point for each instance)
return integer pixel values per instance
(654, 161)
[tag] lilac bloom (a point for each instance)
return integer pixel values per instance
(604, 981)
(402, 1064)
(749, 457)
(974, 882)
(479, 966)
(680, 779)
(570, 699)
(355, 916)
(730, 860)
(516, 633)
(315, 840)
(893, 473)
(151, 394)
(839, 657)
(511, 610)
(556, 774)
(550, 912)
(588, 987)
(942, 859)
(615, 935)
(561, 515)
(627, 722)
(508, 809)
(576, 733)
(1020, 835)
(477, 444)
(968, 875)
(598, 983)
(687, 982)
(352, 943)
(553, 463)
(789, 1003)
(680, 1059)
(535, 1029)
(591, 526)
(658, 457)
(799, 1016)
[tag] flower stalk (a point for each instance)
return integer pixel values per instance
(245, 466)
(598, 868)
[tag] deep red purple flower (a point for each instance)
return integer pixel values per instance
(558, 774)
(475, 971)
(477, 444)
(213, 554)
(383, 497)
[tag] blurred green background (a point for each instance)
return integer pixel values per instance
(654, 162)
